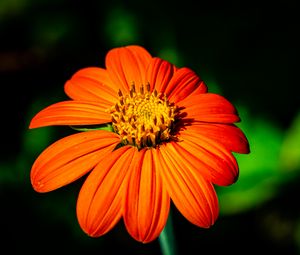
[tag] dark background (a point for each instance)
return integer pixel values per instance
(247, 52)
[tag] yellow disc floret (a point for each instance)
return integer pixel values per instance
(144, 118)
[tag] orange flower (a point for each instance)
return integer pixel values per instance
(170, 140)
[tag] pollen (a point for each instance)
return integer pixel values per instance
(143, 118)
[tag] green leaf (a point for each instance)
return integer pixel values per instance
(107, 127)
(260, 174)
(290, 151)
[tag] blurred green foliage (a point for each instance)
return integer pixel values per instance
(260, 172)
(121, 27)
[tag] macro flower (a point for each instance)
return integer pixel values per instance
(168, 139)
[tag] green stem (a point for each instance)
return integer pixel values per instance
(167, 239)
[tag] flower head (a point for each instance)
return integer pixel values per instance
(170, 140)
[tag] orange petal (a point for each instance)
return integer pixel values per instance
(71, 113)
(230, 136)
(211, 157)
(159, 74)
(70, 158)
(193, 195)
(99, 205)
(208, 107)
(127, 65)
(92, 84)
(183, 84)
(147, 202)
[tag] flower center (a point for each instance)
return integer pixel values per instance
(144, 118)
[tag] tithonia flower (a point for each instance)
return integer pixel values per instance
(170, 140)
